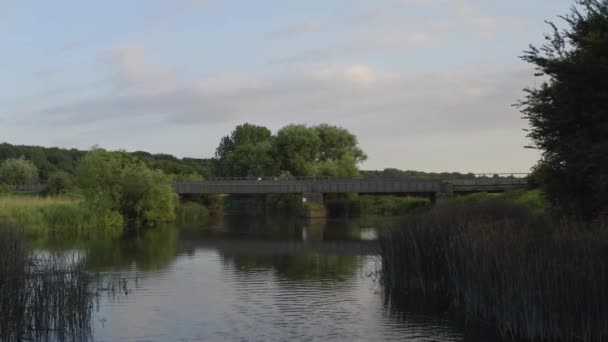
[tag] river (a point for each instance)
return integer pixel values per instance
(250, 279)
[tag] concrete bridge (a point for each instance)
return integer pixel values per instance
(314, 188)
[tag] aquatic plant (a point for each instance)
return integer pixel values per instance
(496, 263)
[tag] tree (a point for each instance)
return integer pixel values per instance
(60, 182)
(118, 182)
(18, 171)
(247, 151)
(338, 143)
(246, 134)
(568, 113)
(298, 149)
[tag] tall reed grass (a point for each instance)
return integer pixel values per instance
(41, 298)
(57, 215)
(498, 264)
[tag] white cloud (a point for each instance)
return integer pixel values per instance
(462, 100)
(385, 109)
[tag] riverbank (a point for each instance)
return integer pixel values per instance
(498, 262)
(56, 215)
(70, 215)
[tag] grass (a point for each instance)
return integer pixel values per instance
(498, 263)
(390, 205)
(533, 200)
(57, 215)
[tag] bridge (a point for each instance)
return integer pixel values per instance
(276, 185)
(314, 188)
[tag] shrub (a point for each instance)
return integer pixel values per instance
(59, 183)
(18, 171)
(117, 182)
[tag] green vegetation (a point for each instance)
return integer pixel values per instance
(42, 299)
(191, 212)
(18, 171)
(57, 215)
(496, 263)
(116, 182)
(533, 200)
(296, 150)
(60, 183)
(530, 263)
(568, 112)
(390, 205)
(50, 160)
(396, 173)
(110, 189)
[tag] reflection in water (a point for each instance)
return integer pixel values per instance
(245, 278)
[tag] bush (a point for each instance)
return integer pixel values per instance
(59, 183)
(191, 212)
(117, 182)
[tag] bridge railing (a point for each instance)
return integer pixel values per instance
(476, 176)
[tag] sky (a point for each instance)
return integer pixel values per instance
(424, 84)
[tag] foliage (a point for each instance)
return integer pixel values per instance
(533, 200)
(297, 147)
(60, 182)
(191, 212)
(390, 205)
(396, 173)
(568, 113)
(494, 262)
(57, 216)
(298, 150)
(247, 151)
(53, 159)
(18, 171)
(118, 182)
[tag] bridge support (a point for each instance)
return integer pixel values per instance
(446, 193)
(313, 205)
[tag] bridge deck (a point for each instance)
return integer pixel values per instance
(356, 185)
(307, 186)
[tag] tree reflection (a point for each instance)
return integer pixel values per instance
(313, 266)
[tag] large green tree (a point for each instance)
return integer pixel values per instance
(338, 143)
(297, 148)
(247, 151)
(18, 171)
(568, 113)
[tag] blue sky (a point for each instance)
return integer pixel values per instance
(425, 84)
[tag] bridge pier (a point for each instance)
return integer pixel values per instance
(446, 193)
(313, 205)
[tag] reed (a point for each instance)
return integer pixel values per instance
(41, 298)
(57, 215)
(496, 263)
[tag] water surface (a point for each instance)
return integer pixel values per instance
(251, 279)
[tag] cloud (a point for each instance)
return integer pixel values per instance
(296, 30)
(389, 26)
(465, 100)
